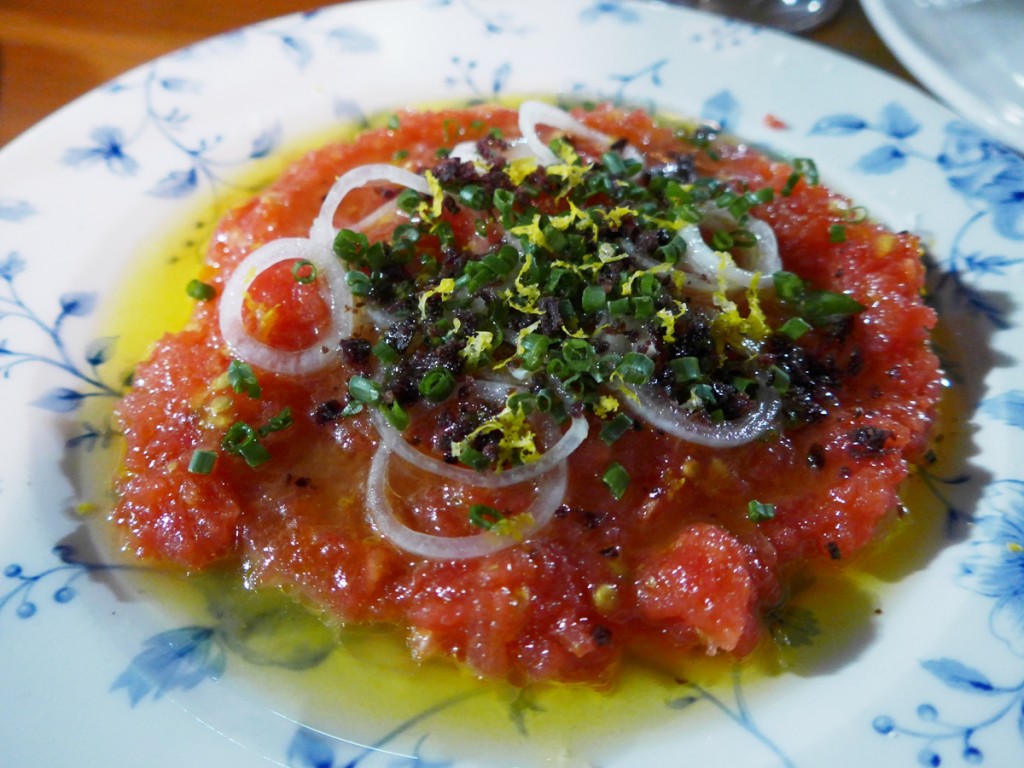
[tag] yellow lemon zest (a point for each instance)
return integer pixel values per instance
(443, 289)
(520, 168)
(477, 345)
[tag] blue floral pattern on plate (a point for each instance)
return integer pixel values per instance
(163, 137)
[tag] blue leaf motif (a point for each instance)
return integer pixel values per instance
(265, 143)
(15, 210)
(60, 400)
(77, 304)
(989, 265)
(298, 49)
(309, 749)
(11, 266)
(1007, 407)
(616, 10)
(897, 122)
(501, 75)
(108, 148)
(179, 85)
(682, 702)
(176, 184)
(885, 159)
(839, 125)
(722, 109)
(99, 351)
(983, 170)
(347, 109)
(177, 659)
(353, 40)
(959, 676)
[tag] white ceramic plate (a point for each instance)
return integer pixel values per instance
(97, 668)
(970, 55)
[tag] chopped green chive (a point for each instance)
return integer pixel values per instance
(242, 440)
(837, 233)
(483, 516)
(788, 287)
(685, 369)
(437, 385)
(594, 298)
(282, 421)
(352, 408)
(780, 380)
(304, 271)
(385, 353)
(202, 462)
(472, 458)
(635, 368)
(616, 478)
(616, 428)
(722, 241)
(822, 307)
(364, 390)
(808, 169)
(359, 282)
(758, 512)
(408, 200)
(243, 380)
(795, 327)
(200, 291)
(396, 415)
(473, 196)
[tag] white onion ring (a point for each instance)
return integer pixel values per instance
(323, 230)
(706, 262)
(553, 457)
(466, 152)
(661, 412)
(534, 113)
(334, 290)
(541, 509)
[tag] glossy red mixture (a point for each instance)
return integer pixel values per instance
(675, 565)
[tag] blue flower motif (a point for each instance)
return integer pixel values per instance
(1007, 407)
(996, 567)
(617, 11)
(314, 749)
(61, 578)
(108, 149)
(993, 704)
(650, 73)
(722, 110)
(15, 210)
(353, 40)
(178, 659)
(987, 172)
(75, 304)
(11, 266)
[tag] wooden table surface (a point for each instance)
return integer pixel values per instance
(52, 51)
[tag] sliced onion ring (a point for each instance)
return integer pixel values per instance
(541, 509)
(334, 290)
(534, 113)
(553, 457)
(707, 264)
(323, 230)
(661, 412)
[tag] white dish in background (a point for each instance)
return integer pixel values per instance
(969, 55)
(97, 669)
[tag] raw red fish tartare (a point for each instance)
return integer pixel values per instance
(540, 388)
